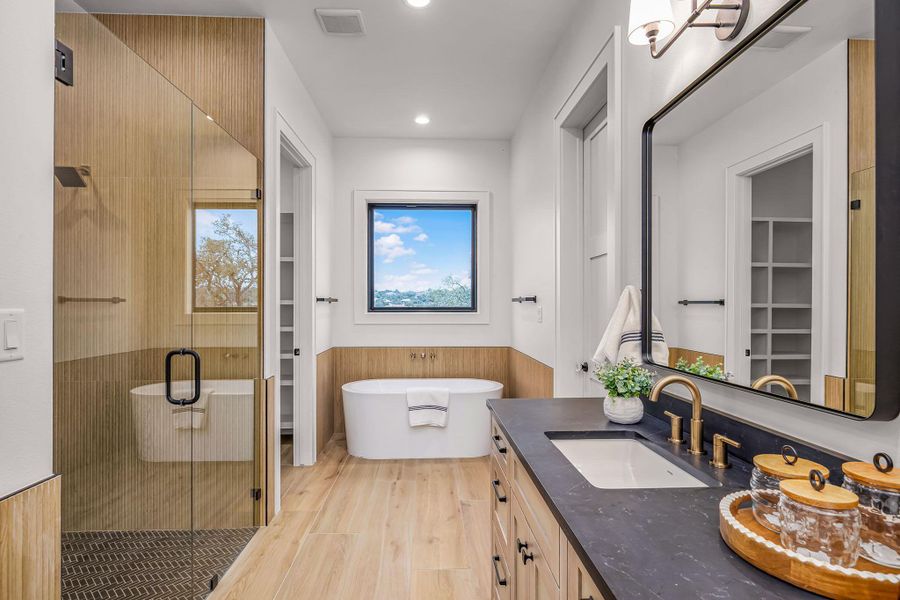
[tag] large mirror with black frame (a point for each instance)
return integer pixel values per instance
(763, 225)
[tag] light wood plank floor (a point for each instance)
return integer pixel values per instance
(360, 529)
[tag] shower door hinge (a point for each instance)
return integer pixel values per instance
(296, 351)
(256, 494)
(214, 582)
(65, 64)
(258, 194)
(855, 204)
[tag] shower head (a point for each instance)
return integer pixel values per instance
(72, 176)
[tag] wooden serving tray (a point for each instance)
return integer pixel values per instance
(762, 548)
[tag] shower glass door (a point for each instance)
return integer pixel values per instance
(155, 250)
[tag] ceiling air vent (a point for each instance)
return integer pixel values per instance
(781, 37)
(340, 21)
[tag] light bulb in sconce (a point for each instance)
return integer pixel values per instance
(650, 20)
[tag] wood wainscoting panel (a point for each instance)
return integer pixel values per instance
(528, 377)
(218, 62)
(30, 538)
(861, 85)
(357, 363)
(325, 403)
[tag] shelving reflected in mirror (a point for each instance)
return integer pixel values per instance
(763, 214)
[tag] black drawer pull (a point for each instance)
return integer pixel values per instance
(527, 557)
(520, 545)
(496, 485)
(500, 580)
(500, 449)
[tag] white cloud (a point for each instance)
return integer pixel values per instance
(422, 237)
(388, 227)
(405, 220)
(378, 216)
(391, 248)
(421, 269)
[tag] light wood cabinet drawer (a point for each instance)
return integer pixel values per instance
(580, 585)
(502, 583)
(500, 501)
(500, 449)
(529, 564)
(543, 523)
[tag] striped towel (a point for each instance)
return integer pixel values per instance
(622, 338)
(428, 406)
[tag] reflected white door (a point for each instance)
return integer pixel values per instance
(596, 239)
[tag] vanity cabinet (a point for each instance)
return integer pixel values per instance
(532, 558)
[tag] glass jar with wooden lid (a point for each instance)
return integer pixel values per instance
(878, 486)
(769, 470)
(820, 520)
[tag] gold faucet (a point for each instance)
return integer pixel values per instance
(720, 451)
(696, 412)
(779, 380)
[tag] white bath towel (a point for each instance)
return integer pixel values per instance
(428, 406)
(192, 416)
(622, 338)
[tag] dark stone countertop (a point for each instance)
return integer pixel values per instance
(650, 543)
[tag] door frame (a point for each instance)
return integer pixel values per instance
(738, 195)
(600, 84)
(287, 141)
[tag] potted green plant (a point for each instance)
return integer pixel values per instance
(625, 383)
(701, 368)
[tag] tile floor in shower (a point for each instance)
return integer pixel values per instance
(146, 564)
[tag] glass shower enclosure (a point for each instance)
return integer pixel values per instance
(157, 247)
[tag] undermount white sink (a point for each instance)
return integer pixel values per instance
(623, 463)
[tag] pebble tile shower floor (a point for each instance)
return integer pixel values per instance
(146, 564)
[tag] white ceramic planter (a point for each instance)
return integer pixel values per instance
(624, 411)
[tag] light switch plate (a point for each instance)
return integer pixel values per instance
(12, 333)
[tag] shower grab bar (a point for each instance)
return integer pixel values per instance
(196, 358)
(111, 300)
(720, 302)
(521, 299)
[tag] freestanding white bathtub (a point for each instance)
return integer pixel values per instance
(227, 434)
(377, 421)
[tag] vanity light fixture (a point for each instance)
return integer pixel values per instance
(417, 3)
(652, 20)
(422, 119)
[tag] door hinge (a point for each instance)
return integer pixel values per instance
(855, 204)
(65, 64)
(747, 352)
(214, 582)
(256, 494)
(258, 194)
(296, 351)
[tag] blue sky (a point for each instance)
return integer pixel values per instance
(205, 217)
(417, 248)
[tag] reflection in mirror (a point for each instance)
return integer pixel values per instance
(763, 247)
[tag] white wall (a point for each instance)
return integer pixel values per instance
(26, 241)
(648, 84)
(421, 165)
(286, 94)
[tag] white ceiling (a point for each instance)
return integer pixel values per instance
(471, 65)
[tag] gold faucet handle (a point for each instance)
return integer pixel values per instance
(720, 451)
(675, 435)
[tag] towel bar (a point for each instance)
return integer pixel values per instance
(521, 299)
(720, 302)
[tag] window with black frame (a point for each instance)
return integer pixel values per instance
(422, 258)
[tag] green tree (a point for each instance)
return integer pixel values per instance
(226, 268)
(453, 292)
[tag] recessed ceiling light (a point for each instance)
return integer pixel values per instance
(423, 119)
(418, 3)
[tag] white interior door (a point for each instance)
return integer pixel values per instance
(596, 261)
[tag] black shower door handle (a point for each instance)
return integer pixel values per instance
(196, 358)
